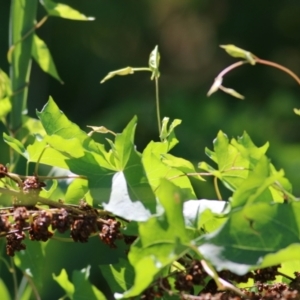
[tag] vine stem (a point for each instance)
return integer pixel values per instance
(39, 159)
(231, 67)
(157, 105)
(42, 200)
(33, 287)
(217, 188)
(26, 35)
(15, 281)
(278, 66)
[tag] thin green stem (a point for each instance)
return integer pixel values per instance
(38, 160)
(27, 198)
(219, 196)
(14, 276)
(33, 287)
(11, 270)
(157, 105)
(141, 69)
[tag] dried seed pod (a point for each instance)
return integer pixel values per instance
(3, 171)
(14, 242)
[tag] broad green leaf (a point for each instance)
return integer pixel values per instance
(5, 92)
(238, 52)
(5, 85)
(119, 276)
(56, 123)
(156, 169)
(42, 56)
(77, 190)
(16, 145)
(83, 288)
(248, 149)
(5, 107)
(206, 214)
(31, 128)
(4, 292)
(154, 63)
(69, 147)
(64, 11)
(235, 159)
(124, 145)
(63, 280)
(162, 239)
(31, 262)
(121, 72)
(50, 156)
(257, 186)
(181, 164)
(259, 235)
(48, 193)
(121, 204)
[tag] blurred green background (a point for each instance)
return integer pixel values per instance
(188, 34)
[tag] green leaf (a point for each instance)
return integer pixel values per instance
(121, 72)
(154, 63)
(48, 193)
(77, 190)
(259, 235)
(156, 169)
(63, 280)
(42, 56)
(162, 240)
(31, 262)
(120, 276)
(257, 187)
(83, 288)
(121, 204)
(55, 122)
(5, 89)
(64, 11)
(181, 164)
(4, 292)
(204, 214)
(5, 85)
(235, 159)
(123, 145)
(238, 52)
(50, 156)
(5, 107)
(16, 145)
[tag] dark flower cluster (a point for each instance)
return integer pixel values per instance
(40, 224)
(194, 275)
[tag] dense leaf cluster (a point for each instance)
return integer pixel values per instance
(180, 245)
